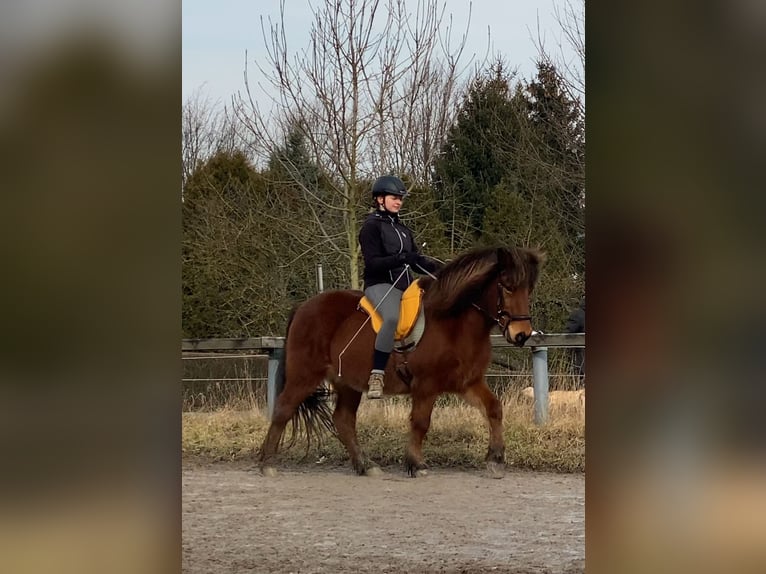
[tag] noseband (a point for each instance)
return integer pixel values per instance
(500, 312)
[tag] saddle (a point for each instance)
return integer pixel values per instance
(411, 318)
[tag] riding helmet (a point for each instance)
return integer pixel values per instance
(388, 185)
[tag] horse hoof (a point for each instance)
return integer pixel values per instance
(495, 469)
(373, 471)
(421, 473)
(269, 471)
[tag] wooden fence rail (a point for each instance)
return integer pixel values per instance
(538, 344)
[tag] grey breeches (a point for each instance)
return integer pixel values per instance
(389, 312)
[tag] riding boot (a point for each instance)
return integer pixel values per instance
(375, 384)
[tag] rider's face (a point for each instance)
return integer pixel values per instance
(392, 203)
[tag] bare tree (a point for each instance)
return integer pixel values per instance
(205, 130)
(372, 93)
(569, 56)
(572, 21)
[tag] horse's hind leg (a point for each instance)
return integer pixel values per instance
(420, 421)
(271, 442)
(482, 397)
(285, 408)
(344, 419)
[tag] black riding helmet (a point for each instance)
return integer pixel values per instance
(388, 185)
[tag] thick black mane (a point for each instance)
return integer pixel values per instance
(463, 277)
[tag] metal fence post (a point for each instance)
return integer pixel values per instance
(320, 279)
(540, 383)
(275, 356)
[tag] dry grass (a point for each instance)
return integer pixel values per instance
(457, 437)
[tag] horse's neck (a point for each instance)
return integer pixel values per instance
(475, 317)
(480, 311)
(480, 320)
(471, 322)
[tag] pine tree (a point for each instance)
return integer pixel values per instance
(472, 161)
(541, 199)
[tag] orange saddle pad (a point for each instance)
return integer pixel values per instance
(408, 313)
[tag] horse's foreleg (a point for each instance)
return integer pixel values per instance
(344, 419)
(420, 421)
(480, 396)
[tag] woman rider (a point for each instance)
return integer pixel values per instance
(390, 252)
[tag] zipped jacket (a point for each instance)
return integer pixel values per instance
(385, 242)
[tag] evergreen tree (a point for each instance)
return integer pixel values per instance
(541, 200)
(227, 254)
(472, 159)
(558, 136)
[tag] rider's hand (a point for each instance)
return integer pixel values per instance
(411, 258)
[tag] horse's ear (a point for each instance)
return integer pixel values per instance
(499, 255)
(536, 256)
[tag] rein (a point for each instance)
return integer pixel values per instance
(500, 313)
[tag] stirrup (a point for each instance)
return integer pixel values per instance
(375, 386)
(403, 371)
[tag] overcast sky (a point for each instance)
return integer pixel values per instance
(216, 35)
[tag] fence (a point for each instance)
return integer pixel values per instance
(273, 347)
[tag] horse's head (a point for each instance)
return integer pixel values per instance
(517, 275)
(495, 281)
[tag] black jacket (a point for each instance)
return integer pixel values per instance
(385, 242)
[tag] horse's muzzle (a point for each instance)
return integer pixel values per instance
(516, 340)
(520, 339)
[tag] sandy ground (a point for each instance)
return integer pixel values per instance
(330, 520)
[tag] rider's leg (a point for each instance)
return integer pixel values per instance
(387, 301)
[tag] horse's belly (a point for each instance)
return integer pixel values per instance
(451, 369)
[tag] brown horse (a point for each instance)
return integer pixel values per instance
(327, 339)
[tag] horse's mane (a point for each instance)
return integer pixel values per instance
(462, 278)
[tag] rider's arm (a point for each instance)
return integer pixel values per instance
(375, 257)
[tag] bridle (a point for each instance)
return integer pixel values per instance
(501, 313)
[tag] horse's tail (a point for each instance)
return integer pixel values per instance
(279, 376)
(314, 418)
(314, 415)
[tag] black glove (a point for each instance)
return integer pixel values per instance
(410, 258)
